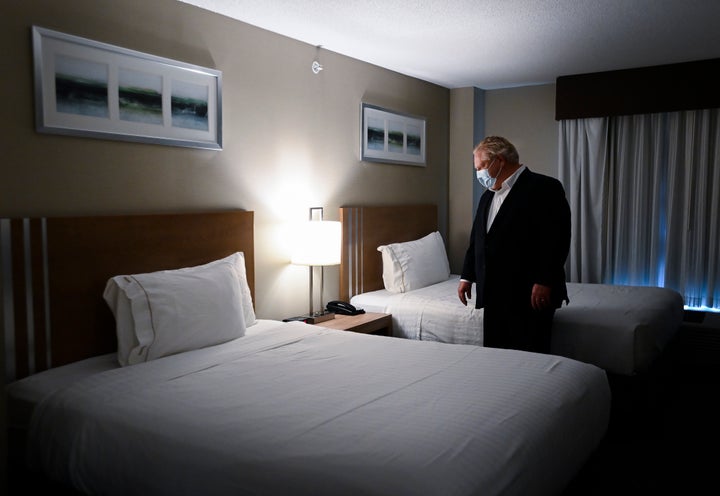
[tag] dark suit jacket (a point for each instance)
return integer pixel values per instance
(528, 243)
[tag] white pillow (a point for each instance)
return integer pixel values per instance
(414, 264)
(167, 312)
(238, 260)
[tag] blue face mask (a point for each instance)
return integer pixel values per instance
(484, 178)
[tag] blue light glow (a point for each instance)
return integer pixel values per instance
(702, 309)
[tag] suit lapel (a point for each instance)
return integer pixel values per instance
(484, 209)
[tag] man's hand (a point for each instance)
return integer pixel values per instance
(464, 291)
(540, 297)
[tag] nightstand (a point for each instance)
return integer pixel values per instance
(367, 323)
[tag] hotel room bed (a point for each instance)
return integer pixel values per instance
(622, 329)
(268, 407)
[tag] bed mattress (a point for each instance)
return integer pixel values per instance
(622, 329)
(300, 409)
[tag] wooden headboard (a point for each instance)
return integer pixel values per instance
(54, 272)
(366, 228)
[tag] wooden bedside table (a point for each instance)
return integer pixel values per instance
(366, 323)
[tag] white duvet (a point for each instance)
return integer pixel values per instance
(621, 329)
(303, 410)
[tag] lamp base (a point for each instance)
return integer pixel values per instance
(312, 319)
(318, 317)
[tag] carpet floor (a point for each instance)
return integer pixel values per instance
(664, 434)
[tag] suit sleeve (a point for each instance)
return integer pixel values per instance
(553, 242)
(468, 269)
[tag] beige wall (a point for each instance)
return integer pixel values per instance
(460, 201)
(291, 138)
(526, 116)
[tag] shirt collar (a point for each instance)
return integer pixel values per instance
(510, 181)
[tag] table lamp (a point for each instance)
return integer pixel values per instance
(317, 244)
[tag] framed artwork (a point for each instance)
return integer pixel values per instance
(88, 88)
(392, 137)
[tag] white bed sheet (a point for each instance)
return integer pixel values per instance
(24, 395)
(621, 329)
(432, 313)
(299, 409)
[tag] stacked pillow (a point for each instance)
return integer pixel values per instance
(414, 264)
(171, 311)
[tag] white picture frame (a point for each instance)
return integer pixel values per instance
(93, 89)
(392, 137)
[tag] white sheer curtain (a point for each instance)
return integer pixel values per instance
(644, 191)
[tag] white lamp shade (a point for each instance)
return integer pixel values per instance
(317, 242)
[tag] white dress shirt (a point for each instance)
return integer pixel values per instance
(501, 194)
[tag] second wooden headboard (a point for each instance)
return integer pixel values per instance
(366, 228)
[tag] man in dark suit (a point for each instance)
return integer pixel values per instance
(518, 245)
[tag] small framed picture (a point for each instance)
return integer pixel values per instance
(88, 88)
(392, 137)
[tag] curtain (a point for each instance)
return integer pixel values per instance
(693, 242)
(644, 191)
(583, 172)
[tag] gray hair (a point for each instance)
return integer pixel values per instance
(497, 145)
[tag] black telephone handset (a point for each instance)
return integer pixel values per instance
(343, 308)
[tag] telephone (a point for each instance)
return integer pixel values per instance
(343, 308)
